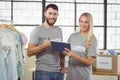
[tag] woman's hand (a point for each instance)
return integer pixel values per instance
(67, 52)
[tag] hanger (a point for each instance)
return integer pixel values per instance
(12, 28)
(3, 25)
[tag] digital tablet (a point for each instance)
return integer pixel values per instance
(59, 46)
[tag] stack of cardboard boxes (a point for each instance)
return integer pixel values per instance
(107, 63)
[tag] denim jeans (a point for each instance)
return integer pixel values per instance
(45, 75)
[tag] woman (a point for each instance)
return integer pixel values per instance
(83, 50)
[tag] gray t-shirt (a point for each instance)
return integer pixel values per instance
(77, 70)
(46, 60)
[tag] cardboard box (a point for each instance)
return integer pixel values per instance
(107, 63)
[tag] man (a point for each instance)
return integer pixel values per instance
(49, 65)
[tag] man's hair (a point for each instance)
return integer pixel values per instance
(51, 6)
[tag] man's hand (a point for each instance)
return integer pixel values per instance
(47, 42)
(62, 70)
(62, 61)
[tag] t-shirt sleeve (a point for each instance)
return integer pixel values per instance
(61, 34)
(34, 37)
(69, 39)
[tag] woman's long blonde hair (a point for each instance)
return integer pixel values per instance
(90, 33)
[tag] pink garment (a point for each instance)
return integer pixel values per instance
(23, 38)
(24, 42)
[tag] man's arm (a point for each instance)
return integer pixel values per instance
(62, 61)
(33, 49)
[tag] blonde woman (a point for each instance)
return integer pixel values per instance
(83, 50)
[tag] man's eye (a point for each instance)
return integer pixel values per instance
(50, 13)
(55, 14)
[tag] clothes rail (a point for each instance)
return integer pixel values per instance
(3, 20)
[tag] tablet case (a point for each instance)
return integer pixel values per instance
(59, 46)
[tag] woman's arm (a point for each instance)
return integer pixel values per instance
(87, 61)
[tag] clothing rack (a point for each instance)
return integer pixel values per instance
(3, 20)
(7, 21)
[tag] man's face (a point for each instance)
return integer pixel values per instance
(51, 16)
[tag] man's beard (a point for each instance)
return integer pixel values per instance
(51, 24)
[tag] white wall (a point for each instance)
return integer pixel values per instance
(30, 63)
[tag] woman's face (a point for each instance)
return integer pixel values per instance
(84, 24)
